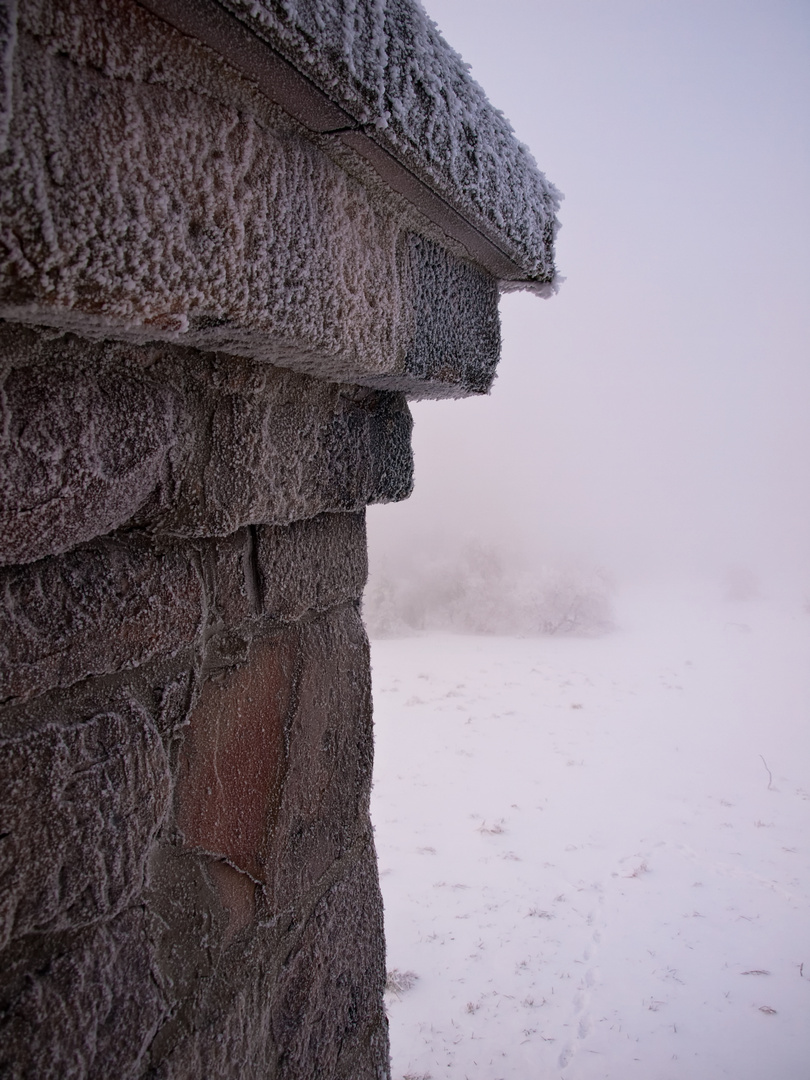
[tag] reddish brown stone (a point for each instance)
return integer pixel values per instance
(232, 763)
(275, 773)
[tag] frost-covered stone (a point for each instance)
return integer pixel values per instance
(207, 218)
(85, 1004)
(312, 565)
(8, 34)
(84, 442)
(299, 996)
(119, 602)
(329, 1018)
(81, 804)
(183, 443)
(102, 608)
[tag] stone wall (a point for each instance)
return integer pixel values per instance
(186, 719)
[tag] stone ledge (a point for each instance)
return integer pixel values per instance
(395, 91)
(180, 443)
(254, 243)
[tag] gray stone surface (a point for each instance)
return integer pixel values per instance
(253, 910)
(213, 318)
(206, 216)
(282, 447)
(81, 800)
(102, 608)
(329, 1021)
(8, 35)
(80, 1006)
(179, 442)
(84, 442)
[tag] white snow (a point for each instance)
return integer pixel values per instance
(594, 852)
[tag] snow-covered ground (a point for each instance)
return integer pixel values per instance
(595, 852)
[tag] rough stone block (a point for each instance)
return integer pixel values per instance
(84, 788)
(105, 607)
(275, 773)
(208, 217)
(81, 1006)
(311, 565)
(278, 573)
(280, 447)
(83, 444)
(329, 1019)
(447, 343)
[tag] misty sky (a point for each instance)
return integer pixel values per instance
(654, 414)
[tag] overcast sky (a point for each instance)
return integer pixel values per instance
(654, 414)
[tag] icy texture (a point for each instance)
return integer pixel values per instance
(148, 192)
(385, 62)
(8, 34)
(225, 234)
(135, 950)
(95, 437)
(83, 444)
(89, 798)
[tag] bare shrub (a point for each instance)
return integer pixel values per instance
(399, 982)
(483, 589)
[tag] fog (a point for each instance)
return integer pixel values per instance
(651, 418)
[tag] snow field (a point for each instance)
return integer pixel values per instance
(593, 852)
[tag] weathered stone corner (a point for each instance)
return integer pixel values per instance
(233, 243)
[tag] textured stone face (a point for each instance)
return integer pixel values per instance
(186, 843)
(329, 1020)
(85, 1004)
(206, 217)
(181, 443)
(81, 800)
(81, 451)
(98, 609)
(275, 771)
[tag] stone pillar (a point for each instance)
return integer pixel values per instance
(188, 876)
(219, 280)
